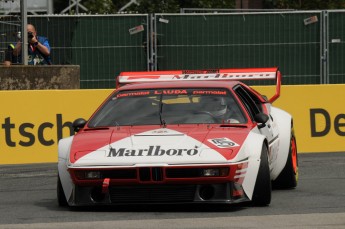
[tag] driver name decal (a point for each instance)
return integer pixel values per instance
(223, 142)
(151, 151)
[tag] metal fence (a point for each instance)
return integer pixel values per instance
(334, 46)
(308, 46)
(241, 40)
(102, 45)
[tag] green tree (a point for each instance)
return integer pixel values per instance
(304, 4)
(143, 6)
(93, 6)
(172, 6)
(100, 7)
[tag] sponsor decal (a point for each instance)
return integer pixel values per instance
(171, 92)
(160, 132)
(30, 134)
(134, 93)
(208, 92)
(310, 20)
(136, 29)
(324, 117)
(166, 21)
(222, 76)
(223, 142)
(151, 151)
(200, 71)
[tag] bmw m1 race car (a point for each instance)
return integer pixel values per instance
(180, 137)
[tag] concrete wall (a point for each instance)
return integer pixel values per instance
(39, 77)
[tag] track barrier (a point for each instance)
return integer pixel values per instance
(32, 121)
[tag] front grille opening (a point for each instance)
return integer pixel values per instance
(183, 172)
(152, 193)
(112, 174)
(144, 174)
(120, 174)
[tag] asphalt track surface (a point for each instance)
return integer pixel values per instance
(28, 200)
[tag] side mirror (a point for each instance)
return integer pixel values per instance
(78, 124)
(262, 119)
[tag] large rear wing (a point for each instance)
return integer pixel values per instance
(204, 75)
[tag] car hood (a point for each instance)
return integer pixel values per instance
(143, 146)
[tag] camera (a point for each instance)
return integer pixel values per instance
(30, 35)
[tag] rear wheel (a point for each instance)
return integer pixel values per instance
(288, 178)
(263, 188)
(60, 194)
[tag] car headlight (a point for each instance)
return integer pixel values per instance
(215, 172)
(87, 175)
(92, 175)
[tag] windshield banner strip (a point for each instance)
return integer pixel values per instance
(171, 92)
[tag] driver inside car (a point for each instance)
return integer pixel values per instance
(218, 108)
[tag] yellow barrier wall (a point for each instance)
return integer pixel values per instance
(319, 115)
(31, 122)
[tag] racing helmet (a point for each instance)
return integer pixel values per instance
(216, 105)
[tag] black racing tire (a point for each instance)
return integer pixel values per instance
(61, 198)
(288, 178)
(263, 188)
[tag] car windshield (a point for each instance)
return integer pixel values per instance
(169, 106)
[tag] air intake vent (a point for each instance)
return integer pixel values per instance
(144, 174)
(152, 193)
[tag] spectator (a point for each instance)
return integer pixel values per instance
(38, 48)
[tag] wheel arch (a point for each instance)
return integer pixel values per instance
(64, 147)
(63, 160)
(284, 122)
(252, 151)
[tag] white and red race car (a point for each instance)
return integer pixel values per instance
(180, 137)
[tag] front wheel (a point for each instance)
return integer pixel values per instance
(62, 201)
(263, 188)
(288, 178)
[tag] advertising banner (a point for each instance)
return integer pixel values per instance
(32, 122)
(318, 113)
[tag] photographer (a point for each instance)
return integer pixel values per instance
(38, 50)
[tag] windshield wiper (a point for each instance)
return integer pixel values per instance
(233, 125)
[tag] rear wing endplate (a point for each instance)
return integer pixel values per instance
(204, 75)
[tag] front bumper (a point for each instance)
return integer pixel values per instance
(152, 185)
(158, 194)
